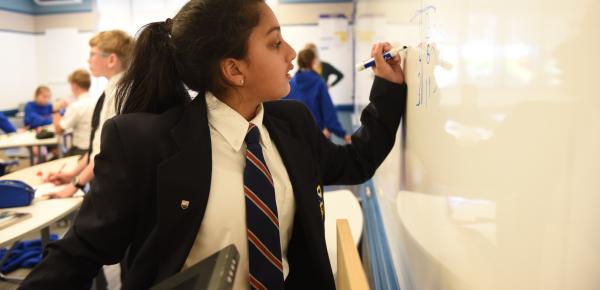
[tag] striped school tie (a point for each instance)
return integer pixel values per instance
(264, 250)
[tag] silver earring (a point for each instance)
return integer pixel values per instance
(242, 82)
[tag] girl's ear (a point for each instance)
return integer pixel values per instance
(232, 72)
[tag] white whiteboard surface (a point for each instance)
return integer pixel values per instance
(497, 185)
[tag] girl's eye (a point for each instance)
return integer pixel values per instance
(277, 44)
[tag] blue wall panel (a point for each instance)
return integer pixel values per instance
(29, 7)
(19, 6)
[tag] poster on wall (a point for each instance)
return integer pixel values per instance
(335, 48)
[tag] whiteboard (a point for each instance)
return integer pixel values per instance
(494, 184)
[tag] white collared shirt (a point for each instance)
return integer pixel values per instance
(78, 116)
(225, 217)
(108, 110)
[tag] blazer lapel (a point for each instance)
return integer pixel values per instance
(298, 162)
(183, 185)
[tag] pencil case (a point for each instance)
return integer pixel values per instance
(15, 193)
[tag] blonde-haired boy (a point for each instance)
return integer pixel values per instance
(110, 55)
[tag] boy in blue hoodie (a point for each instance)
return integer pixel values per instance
(39, 112)
(309, 88)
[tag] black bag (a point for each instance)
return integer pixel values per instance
(44, 135)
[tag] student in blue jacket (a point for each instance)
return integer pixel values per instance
(39, 112)
(5, 125)
(309, 88)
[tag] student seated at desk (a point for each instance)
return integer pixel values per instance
(78, 115)
(177, 180)
(5, 125)
(39, 112)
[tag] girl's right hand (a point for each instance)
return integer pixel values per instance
(59, 177)
(390, 69)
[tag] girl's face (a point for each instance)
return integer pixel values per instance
(269, 59)
(43, 98)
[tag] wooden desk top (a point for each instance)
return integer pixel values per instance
(24, 139)
(43, 212)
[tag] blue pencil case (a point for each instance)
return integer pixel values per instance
(15, 193)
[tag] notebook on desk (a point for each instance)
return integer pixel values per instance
(213, 273)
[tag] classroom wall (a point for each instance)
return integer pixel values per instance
(308, 14)
(42, 47)
(18, 76)
(49, 46)
(33, 59)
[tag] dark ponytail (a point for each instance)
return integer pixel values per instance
(151, 83)
(186, 52)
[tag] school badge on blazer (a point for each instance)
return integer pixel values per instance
(321, 204)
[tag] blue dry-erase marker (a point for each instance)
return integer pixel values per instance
(371, 62)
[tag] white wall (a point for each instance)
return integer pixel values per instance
(42, 50)
(130, 16)
(30, 60)
(59, 53)
(18, 74)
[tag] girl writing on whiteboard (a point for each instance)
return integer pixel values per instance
(178, 179)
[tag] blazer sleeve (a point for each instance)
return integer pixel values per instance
(5, 125)
(103, 228)
(356, 162)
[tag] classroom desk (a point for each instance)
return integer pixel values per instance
(26, 139)
(341, 204)
(43, 212)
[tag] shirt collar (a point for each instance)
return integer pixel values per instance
(230, 124)
(83, 96)
(113, 82)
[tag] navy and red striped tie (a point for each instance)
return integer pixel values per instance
(262, 222)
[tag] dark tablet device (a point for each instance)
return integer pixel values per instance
(213, 273)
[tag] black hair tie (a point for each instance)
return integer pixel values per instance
(168, 25)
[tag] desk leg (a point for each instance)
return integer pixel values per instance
(31, 158)
(45, 237)
(62, 144)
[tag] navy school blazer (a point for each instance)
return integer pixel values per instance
(149, 163)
